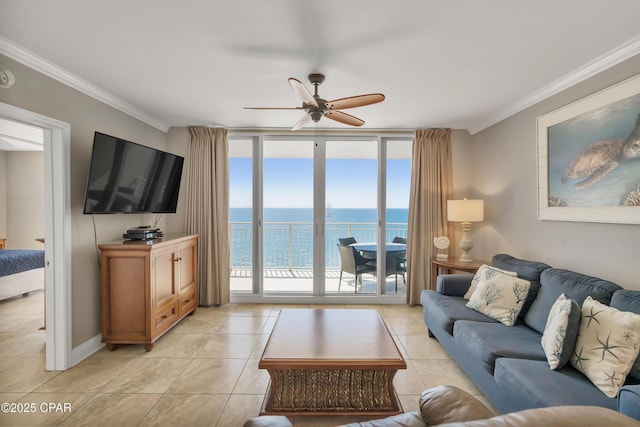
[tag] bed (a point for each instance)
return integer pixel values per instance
(21, 271)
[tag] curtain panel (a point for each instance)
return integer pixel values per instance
(431, 187)
(207, 211)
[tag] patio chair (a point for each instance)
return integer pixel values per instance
(346, 241)
(354, 263)
(399, 239)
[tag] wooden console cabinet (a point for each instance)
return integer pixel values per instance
(147, 288)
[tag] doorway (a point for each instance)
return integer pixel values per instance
(57, 233)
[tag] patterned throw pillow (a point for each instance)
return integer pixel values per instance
(485, 272)
(561, 331)
(500, 297)
(607, 345)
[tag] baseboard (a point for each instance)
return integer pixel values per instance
(86, 349)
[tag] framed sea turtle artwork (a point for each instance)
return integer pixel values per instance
(589, 158)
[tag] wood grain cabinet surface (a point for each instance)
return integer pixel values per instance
(147, 288)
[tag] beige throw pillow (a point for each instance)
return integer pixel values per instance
(500, 297)
(485, 272)
(561, 331)
(607, 345)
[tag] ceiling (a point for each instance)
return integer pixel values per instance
(464, 64)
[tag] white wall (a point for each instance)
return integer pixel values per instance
(504, 170)
(24, 199)
(178, 143)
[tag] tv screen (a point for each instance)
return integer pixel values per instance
(125, 177)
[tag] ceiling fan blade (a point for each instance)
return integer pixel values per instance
(345, 118)
(273, 108)
(302, 122)
(302, 92)
(355, 101)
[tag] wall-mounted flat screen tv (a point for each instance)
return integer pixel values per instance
(125, 177)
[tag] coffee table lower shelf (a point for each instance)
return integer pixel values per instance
(331, 392)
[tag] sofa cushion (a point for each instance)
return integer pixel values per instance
(446, 403)
(629, 301)
(489, 341)
(500, 296)
(607, 345)
(484, 273)
(533, 382)
(441, 311)
(576, 286)
(561, 332)
(528, 270)
(629, 401)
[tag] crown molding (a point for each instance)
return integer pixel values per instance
(35, 62)
(598, 65)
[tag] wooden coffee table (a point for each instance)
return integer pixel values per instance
(331, 362)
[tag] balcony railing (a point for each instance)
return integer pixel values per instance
(289, 246)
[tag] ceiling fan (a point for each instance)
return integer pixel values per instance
(317, 107)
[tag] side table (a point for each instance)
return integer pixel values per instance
(451, 264)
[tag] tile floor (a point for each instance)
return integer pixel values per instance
(203, 373)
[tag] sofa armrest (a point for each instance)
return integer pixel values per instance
(408, 419)
(555, 416)
(268, 421)
(629, 401)
(453, 285)
(447, 404)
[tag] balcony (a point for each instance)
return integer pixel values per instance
(288, 254)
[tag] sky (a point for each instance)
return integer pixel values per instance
(350, 183)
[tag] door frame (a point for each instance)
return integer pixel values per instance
(57, 142)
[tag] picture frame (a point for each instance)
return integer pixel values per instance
(589, 158)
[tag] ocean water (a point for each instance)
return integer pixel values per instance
(288, 234)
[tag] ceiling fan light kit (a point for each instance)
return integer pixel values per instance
(316, 107)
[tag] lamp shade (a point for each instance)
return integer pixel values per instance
(465, 210)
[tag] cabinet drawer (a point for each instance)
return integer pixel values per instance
(163, 319)
(188, 300)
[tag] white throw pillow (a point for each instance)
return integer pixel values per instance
(607, 345)
(561, 331)
(500, 297)
(484, 272)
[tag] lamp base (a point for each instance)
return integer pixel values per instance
(465, 257)
(466, 244)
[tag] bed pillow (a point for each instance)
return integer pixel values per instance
(561, 331)
(607, 345)
(501, 297)
(485, 272)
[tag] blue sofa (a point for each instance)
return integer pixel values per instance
(508, 363)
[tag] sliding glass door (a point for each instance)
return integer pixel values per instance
(398, 184)
(294, 201)
(351, 196)
(241, 214)
(287, 226)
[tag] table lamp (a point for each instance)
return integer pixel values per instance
(465, 212)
